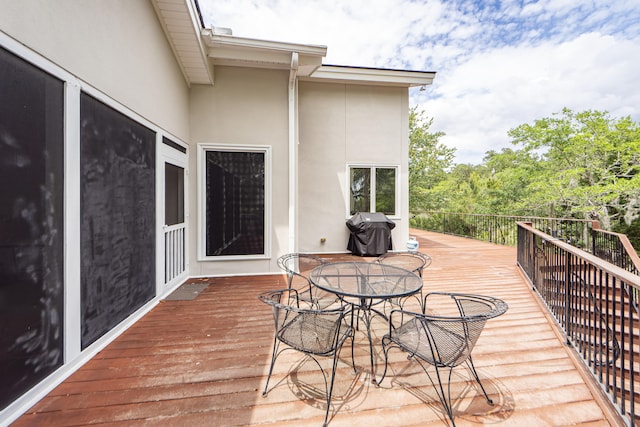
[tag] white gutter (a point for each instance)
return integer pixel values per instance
(293, 154)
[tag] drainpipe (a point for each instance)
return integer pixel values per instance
(293, 154)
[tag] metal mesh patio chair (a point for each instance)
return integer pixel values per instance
(443, 341)
(312, 332)
(412, 261)
(297, 266)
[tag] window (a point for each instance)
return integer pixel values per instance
(373, 189)
(174, 194)
(31, 225)
(118, 216)
(234, 188)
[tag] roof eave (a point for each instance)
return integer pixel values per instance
(181, 22)
(229, 50)
(372, 76)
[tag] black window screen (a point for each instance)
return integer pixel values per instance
(117, 203)
(235, 203)
(31, 225)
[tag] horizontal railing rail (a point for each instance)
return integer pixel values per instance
(590, 300)
(502, 229)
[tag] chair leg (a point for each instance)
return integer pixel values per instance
(475, 374)
(385, 350)
(423, 306)
(330, 390)
(353, 339)
(445, 399)
(273, 361)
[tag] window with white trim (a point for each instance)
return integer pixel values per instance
(32, 229)
(373, 189)
(234, 193)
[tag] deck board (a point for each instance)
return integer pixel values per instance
(204, 362)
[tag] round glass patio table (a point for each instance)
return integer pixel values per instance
(364, 285)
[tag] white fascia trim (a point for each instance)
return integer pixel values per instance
(375, 76)
(185, 11)
(195, 20)
(223, 40)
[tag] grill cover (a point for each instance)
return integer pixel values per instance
(370, 234)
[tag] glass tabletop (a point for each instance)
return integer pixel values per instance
(365, 280)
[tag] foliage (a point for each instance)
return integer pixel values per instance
(589, 167)
(583, 165)
(429, 160)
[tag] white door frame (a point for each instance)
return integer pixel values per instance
(168, 154)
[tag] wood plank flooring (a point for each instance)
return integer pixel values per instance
(204, 363)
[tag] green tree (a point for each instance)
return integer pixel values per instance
(429, 161)
(589, 166)
(582, 165)
(462, 189)
(511, 172)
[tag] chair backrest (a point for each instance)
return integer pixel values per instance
(471, 305)
(412, 261)
(319, 332)
(298, 266)
(452, 338)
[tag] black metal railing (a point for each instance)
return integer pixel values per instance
(616, 249)
(502, 229)
(590, 299)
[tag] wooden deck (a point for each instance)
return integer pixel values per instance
(204, 362)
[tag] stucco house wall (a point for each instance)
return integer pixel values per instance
(117, 46)
(342, 125)
(314, 120)
(245, 107)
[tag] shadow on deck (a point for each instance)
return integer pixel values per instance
(204, 362)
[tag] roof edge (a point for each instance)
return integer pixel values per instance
(376, 76)
(181, 22)
(225, 40)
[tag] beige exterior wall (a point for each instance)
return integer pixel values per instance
(117, 46)
(245, 106)
(341, 125)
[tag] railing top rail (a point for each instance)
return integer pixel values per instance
(620, 273)
(557, 219)
(628, 247)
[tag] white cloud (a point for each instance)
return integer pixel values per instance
(499, 64)
(479, 101)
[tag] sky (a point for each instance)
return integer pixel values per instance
(499, 64)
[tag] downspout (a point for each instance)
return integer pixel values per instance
(293, 154)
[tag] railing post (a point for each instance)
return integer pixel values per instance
(595, 225)
(567, 296)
